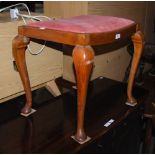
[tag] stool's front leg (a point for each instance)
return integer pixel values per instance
(138, 41)
(83, 57)
(19, 45)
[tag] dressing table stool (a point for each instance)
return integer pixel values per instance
(82, 32)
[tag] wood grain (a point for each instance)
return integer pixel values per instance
(65, 9)
(42, 68)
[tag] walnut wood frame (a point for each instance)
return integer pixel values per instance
(83, 56)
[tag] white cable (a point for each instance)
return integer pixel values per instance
(44, 17)
(38, 19)
(39, 51)
(11, 6)
(29, 16)
(33, 17)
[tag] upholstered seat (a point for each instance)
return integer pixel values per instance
(86, 24)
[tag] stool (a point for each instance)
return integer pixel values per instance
(82, 32)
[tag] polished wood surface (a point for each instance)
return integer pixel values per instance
(71, 38)
(138, 41)
(49, 129)
(82, 54)
(83, 57)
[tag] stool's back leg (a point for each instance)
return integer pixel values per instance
(19, 45)
(138, 41)
(83, 57)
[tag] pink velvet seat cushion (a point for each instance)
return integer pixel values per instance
(85, 24)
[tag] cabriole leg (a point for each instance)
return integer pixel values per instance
(19, 45)
(138, 41)
(83, 57)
